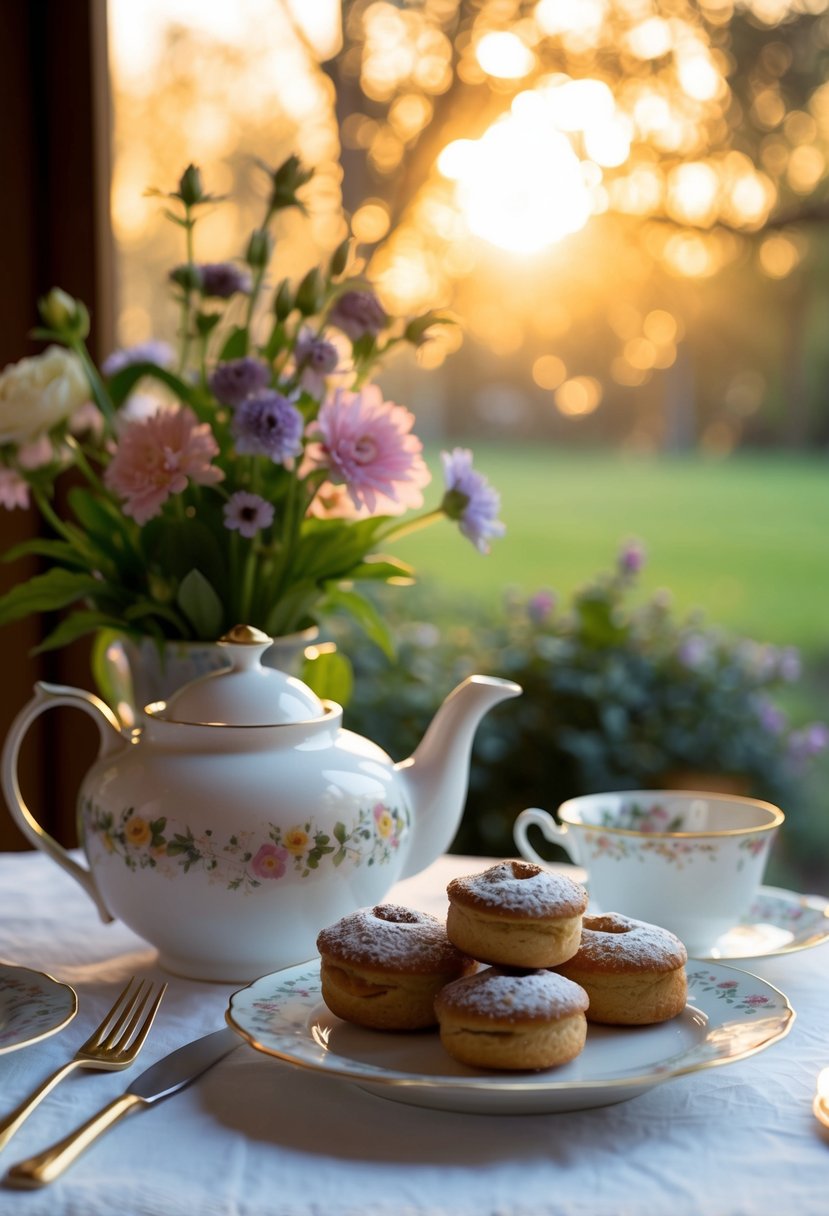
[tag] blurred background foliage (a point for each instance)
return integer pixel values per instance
(625, 204)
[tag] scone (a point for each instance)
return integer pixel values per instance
(503, 1020)
(633, 972)
(381, 967)
(516, 915)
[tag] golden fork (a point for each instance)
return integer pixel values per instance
(113, 1045)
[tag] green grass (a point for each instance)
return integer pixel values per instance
(745, 539)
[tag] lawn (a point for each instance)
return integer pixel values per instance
(745, 539)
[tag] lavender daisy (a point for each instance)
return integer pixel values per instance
(231, 382)
(223, 279)
(247, 513)
(470, 499)
(316, 358)
(358, 313)
(268, 425)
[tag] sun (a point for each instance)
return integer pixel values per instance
(520, 186)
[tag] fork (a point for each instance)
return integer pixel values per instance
(112, 1046)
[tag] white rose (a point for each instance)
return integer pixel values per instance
(38, 393)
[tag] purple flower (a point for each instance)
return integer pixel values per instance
(358, 313)
(145, 352)
(788, 664)
(223, 279)
(247, 513)
(809, 742)
(772, 719)
(631, 557)
(470, 499)
(237, 379)
(316, 358)
(268, 425)
(693, 651)
(540, 606)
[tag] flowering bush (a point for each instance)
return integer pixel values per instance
(262, 478)
(618, 694)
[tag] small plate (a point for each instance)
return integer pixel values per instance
(778, 922)
(730, 1014)
(32, 1006)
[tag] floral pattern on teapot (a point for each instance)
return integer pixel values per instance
(246, 860)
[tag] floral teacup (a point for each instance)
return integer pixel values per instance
(691, 861)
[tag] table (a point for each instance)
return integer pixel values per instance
(258, 1137)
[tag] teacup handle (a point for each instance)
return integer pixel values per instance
(556, 833)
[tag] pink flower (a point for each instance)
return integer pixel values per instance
(37, 453)
(727, 984)
(14, 492)
(157, 456)
(756, 999)
(366, 444)
(270, 861)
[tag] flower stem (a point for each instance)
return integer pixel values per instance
(99, 392)
(396, 531)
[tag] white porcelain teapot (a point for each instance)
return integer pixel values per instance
(239, 818)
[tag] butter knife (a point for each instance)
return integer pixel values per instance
(164, 1078)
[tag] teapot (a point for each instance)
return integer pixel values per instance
(238, 818)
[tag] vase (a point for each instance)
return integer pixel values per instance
(132, 672)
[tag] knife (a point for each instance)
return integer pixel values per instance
(164, 1078)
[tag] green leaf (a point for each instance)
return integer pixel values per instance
(330, 675)
(47, 592)
(292, 608)
(201, 605)
(236, 344)
(363, 612)
(57, 550)
(332, 548)
(103, 523)
(177, 546)
(123, 382)
(78, 625)
(387, 569)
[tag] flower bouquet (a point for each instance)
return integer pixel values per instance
(260, 481)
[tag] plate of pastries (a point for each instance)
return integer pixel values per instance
(517, 1002)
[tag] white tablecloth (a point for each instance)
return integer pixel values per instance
(256, 1137)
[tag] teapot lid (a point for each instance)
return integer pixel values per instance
(246, 694)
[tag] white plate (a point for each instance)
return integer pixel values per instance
(729, 1015)
(778, 922)
(32, 1006)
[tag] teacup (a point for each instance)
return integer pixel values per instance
(690, 861)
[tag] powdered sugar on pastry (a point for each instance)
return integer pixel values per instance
(390, 937)
(521, 889)
(541, 995)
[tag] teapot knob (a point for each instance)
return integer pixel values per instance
(246, 635)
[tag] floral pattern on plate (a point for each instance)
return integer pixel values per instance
(32, 1006)
(778, 922)
(730, 1014)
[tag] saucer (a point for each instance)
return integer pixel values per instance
(32, 1006)
(778, 922)
(729, 1015)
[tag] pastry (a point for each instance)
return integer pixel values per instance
(517, 915)
(506, 1020)
(381, 967)
(633, 972)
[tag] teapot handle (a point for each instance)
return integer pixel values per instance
(50, 696)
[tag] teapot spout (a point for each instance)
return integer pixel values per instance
(436, 775)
